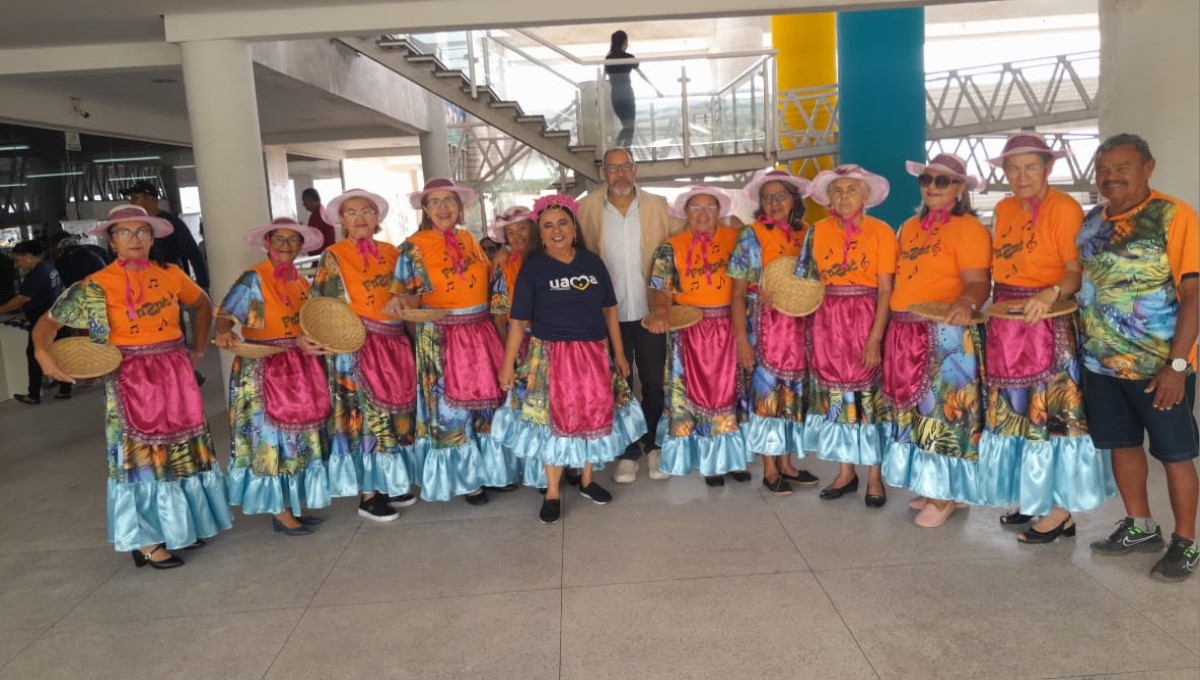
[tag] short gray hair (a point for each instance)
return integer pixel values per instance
(1123, 139)
(610, 151)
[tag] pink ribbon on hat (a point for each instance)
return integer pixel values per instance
(284, 273)
(132, 300)
(851, 228)
(703, 241)
(368, 249)
(454, 249)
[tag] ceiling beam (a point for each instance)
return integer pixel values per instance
(333, 135)
(77, 58)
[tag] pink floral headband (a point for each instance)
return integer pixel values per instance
(555, 201)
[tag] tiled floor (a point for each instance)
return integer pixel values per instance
(673, 580)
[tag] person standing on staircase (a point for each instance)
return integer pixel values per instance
(624, 103)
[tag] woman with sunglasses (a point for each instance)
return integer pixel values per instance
(165, 487)
(1035, 451)
(278, 405)
(443, 267)
(771, 345)
(855, 257)
(700, 425)
(931, 370)
(373, 390)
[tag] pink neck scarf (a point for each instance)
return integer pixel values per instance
(368, 249)
(454, 249)
(701, 241)
(785, 227)
(1035, 205)
(852, 229)
(131, 300)
(934, 218)
(284, 273)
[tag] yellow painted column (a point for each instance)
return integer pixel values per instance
(807, 46)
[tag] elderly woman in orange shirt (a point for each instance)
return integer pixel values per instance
(931, 369)
(700, 425)
(459, 356)
(855, 257)
(373, 390)
(165, 487)
(1036, 451)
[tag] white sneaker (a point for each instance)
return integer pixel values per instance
(652, 460)
(626, 472)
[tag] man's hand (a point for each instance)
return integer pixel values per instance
(1167, 386)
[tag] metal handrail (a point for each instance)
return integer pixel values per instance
(674, 56)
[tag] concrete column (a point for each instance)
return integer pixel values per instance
(1150, 85)
(283, 204)
(735, 34)
(881, 94)
(218, 79)
(435, 146)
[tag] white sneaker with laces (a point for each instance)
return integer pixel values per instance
(652, 460)
(626, 472)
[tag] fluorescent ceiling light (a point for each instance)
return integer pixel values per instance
(131, 179)
(54, 174)
(19, 184)
(18, 147)
(181, 167)
(126, 160)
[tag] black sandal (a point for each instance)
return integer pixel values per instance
(1032, 535)
(1015, 518)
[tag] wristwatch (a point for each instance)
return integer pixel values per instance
(1057, 292)
(1179, 365)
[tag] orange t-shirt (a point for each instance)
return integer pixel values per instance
(1035, 255)
(773, 243)
(693, 284)
(450, 289)
(279, 319)
(367, 285)
(928, 263)
(872, 252)
(157, 291)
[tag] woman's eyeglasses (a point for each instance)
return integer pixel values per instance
(941, 181)
(777, 197)
(365, 212)
(124, 234)
(280, 241)
(438, 203)
(699, 209)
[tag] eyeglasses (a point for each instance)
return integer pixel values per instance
(287, 240)
(126, 234)
(365, 212)
(941, 181)
(437, 203)
(777, 197)
(622, 167)
(698, 209)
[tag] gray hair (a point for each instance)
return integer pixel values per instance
(610, 151)
(1123, 139)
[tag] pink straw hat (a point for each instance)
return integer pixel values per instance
(755, 186)
(724, 201)
(334, 208)
(127, 212)
(947, 163)
(313, 238)
(511, 216)
(465, 194)
(878, 186)
(1026, 142)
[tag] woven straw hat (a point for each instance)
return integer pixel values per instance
(251, 350)
(791, 294)
(937, 311)
(679, 317)
(82, 358)
(420, 315)
(1003, 310)
(333, 323)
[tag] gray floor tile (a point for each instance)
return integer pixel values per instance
(1177, 674)
(13, 641)
(437, 559)
(39, 588)
(512, 635)
(230, 646)
(779, 626)
(994, 619)
(626, 544)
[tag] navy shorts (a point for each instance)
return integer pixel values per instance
(1121, 415)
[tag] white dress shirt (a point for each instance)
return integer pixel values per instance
(623, 257)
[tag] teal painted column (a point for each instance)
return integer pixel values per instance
(881, 99)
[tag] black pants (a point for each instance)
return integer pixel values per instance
(625, 106)
(35, 369)
(648, 351)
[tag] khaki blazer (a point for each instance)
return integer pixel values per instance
(656, 222)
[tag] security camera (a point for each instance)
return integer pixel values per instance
(77, 107)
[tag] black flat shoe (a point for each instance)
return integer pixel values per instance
(832, 492)
(779, 487)
(873, 501)
(502, 489)
(1015, 519)
(740, 476)
(26, 399)
(282, 528)
(1032, 535)
(802, 478)
(572, 478)
(551, 511)
(142, 559)
(715, 480)
(478, 498)
(310, 520)
(200, 543)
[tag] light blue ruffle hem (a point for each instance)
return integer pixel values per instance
(175, 513)
(261, 494)
(455, 470)
(857, 444)
(930, 474)
(537, 441)
(712, 456)
(503, 469)
(1065, 472)
(774, 436)
(352, 473)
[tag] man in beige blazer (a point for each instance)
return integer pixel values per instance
(625, 225)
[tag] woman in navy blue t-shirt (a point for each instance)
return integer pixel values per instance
(577, 410)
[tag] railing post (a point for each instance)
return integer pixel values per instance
(487, 60)
(754, 101)
(471, 64)
(768, 133)
(653, 130)
(687, 123)
(601, 112)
